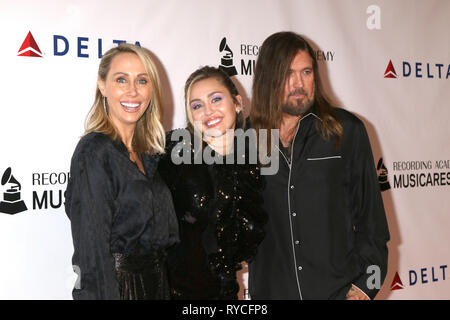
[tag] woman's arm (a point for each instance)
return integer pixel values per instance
(90, 207)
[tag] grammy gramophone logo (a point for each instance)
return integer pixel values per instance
(383, 176)
(226, 62)
(12, 202)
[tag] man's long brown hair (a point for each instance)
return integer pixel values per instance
(274, 60)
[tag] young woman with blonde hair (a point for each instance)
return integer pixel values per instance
(217, 204)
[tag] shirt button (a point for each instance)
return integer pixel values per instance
(294, 214)
(292, 187)
(297, 242)
(300, 268)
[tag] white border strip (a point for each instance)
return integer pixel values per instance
(325, 158)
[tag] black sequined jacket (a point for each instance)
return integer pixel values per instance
(218, 207)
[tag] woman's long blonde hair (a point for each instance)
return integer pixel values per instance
(149, 136)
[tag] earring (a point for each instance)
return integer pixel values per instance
(104, 104)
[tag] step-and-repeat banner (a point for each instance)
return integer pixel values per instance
(386, 61)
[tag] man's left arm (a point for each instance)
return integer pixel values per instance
(370, 224)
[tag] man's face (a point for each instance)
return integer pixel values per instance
(299, 87)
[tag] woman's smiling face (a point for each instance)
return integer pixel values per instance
(212, 107)
(127, 89)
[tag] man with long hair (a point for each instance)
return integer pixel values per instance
(327, 231)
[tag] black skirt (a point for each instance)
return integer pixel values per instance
(142, 277)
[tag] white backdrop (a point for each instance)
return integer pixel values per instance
(46, 97)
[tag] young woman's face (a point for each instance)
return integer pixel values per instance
(127, 89)
(212, 107)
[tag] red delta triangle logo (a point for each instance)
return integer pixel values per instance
(390, 71)
(397, 283)
(29, 47)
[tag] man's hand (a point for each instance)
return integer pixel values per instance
(356, 294)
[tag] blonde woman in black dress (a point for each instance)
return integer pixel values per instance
(121, 211)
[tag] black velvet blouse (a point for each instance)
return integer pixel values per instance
(220, 222)
(114, 209)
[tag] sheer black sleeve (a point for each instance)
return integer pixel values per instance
(251, 217)
(240, 217)
(90, 207)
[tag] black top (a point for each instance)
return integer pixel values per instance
(114, 208)
(220, 218)
(327, 223)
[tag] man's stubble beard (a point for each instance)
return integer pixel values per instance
(298, 107)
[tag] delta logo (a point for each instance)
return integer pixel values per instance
(29, 47)
(397, 283)
(61, 46)
(421, 276)
(390, 71)
(418, 70)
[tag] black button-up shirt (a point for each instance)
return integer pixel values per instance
(114, 208)
(327, 223)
